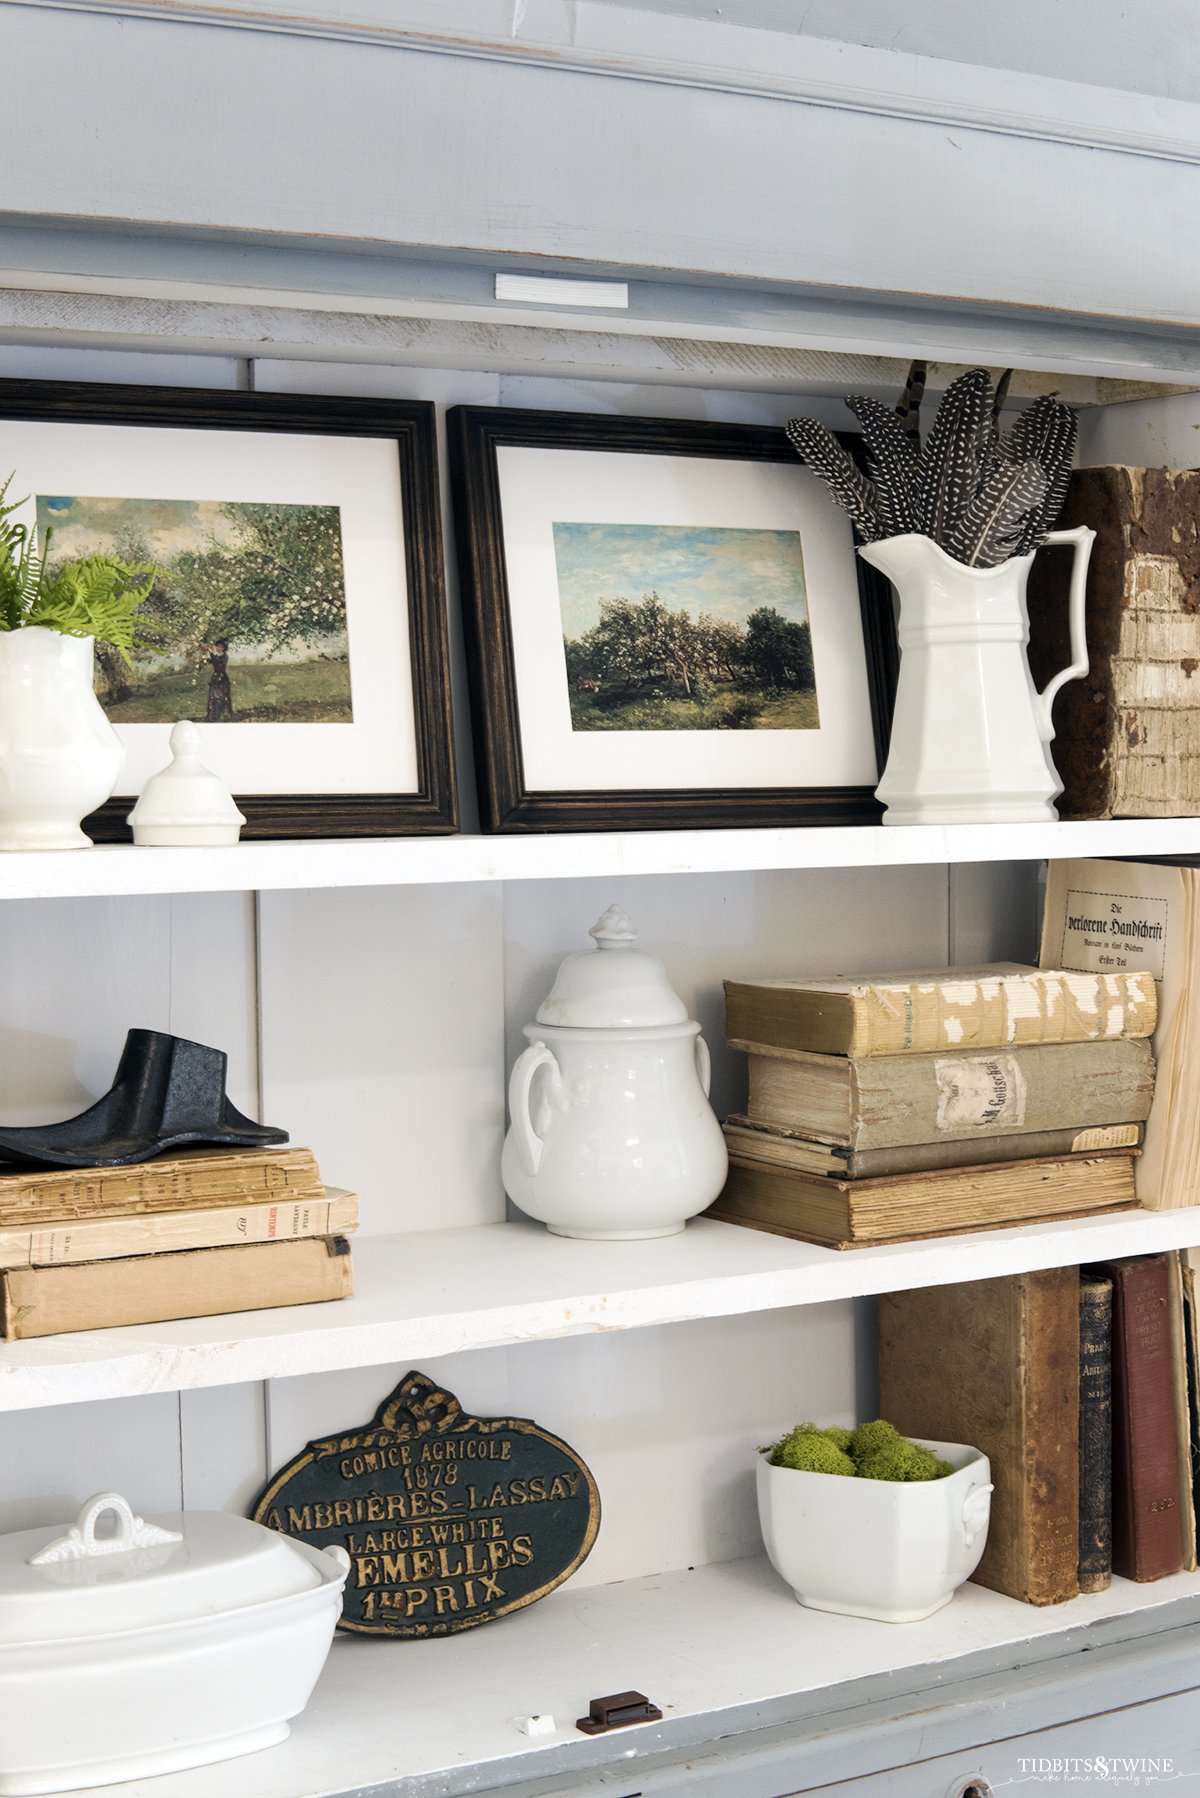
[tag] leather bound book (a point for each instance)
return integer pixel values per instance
(995, 1363)
(1147, 1520)
(1095, 1430)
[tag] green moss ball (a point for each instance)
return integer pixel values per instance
(872, 1438)
(810, 1450)
(839, 1437)
(900, 1459)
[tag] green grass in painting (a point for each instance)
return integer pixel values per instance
(720, 708)
(316, 692)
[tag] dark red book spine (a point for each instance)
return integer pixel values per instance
(1147, 1526)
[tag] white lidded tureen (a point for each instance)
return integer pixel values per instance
(167, 1644)
(612, 1135)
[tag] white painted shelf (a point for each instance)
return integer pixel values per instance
(439, 1715)
(438, 1292)
(116, 869)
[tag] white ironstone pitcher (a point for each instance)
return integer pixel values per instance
(59, 755)
(971, 734)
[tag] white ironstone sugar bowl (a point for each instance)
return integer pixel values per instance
(173, 1643)
(612, 1135)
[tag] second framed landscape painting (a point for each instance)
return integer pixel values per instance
(667, 626)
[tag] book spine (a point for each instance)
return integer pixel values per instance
(1147, 1536)
(894, 1100)
(162, 1232)
(968, 1011)
(100, 1192)
(1049, 1495)
(995, 1363)
(1047, 1006)
(1095, 1433)
(96, 1295)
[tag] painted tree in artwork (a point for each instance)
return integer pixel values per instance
(279, 582)
(716, 674)
(778, 650)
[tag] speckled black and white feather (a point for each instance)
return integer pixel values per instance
(957, 442)
(891, 463)
(1045, 432)
(820, 449)
(996, 518)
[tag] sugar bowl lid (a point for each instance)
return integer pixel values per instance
(57, 1584)
(613, 986)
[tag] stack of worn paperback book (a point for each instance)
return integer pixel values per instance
(186, 1235)
(889, 1107)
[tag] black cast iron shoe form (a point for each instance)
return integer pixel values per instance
(168, 1094)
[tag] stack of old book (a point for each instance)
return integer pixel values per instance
(186, 1235)
(1080, 1385)
(920, 1104)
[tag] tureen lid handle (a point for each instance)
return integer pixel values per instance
(612, 930)
(81, 1542)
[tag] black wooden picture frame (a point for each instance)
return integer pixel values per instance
(431, 807)
(476, 434)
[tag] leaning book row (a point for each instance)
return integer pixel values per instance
(1080, 1385)
(192, 1235)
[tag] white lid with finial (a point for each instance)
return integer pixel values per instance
(614, 986)
(185, 803)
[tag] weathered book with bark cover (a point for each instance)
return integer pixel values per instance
(846, 1214)
(1127, 740)
(786, 1148)
(192, 1178)
(960, 1008)
(93, 1295)
(995, 1363)
(1095, 1430)
(881, 1101)
(335, 1213)
(1147, 1521)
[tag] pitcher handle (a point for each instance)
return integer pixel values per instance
(529, 1144)
(1081, 540)
(703, 1064)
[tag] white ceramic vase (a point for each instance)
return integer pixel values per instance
(59, 755)
(971, 733)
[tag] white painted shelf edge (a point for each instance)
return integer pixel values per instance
(117, 869)
(445, 1711)
(439, 1292)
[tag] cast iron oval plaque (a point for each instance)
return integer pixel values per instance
(449, 1520)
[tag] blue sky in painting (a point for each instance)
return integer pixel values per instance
(726, 573)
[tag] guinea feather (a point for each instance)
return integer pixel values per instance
(949, 468)
(892, 463)
(994, 521)
(820, 449)
(1045, 432)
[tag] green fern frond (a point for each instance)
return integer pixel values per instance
(95, 596)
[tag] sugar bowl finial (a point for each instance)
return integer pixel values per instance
(612, 930)
(185, 802)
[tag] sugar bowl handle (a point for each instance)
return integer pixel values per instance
(528, 1143)
(703, 1064)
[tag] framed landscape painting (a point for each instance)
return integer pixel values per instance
(666, 625)
(297, 611)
